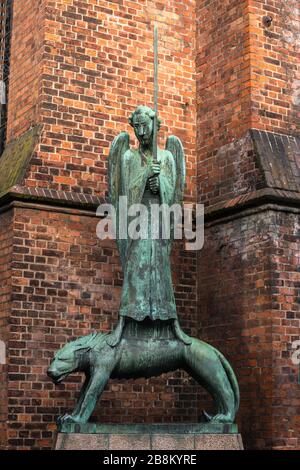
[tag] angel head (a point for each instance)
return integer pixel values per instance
(142, 122)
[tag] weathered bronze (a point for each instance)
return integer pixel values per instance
(141, 354)
(147, 289)
(148, 340)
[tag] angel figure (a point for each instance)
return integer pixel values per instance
(147, 294)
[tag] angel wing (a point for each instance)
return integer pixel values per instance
(174, 145)
(118, 148)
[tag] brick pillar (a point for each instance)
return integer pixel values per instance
(248, 178)
(5, 310)
(78, 69)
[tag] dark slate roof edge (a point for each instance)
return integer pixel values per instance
(45, 196)
(16, 157)
(288, 136)
(276, 156)
(253, 199)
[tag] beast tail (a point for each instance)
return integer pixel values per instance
(231, 377)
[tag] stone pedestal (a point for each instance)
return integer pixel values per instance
(149, 437)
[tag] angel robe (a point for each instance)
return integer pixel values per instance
(147, 287)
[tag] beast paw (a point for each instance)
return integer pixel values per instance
(206, 417)
(67, 419)
(221, 418)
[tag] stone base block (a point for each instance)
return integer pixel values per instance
(149, 437)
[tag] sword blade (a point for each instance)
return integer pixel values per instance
(155, 44)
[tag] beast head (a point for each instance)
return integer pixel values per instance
(69, 359)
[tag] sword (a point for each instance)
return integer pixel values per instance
(155, 43)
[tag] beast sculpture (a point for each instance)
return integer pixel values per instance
(93, 355)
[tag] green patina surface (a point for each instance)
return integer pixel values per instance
(193, 428)
(135, 357)
(148, 340)
(151, 179)
(15, 158)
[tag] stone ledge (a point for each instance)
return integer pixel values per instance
(149, 437)
(186, 428)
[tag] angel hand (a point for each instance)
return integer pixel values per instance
(155, 168)
(154, 184)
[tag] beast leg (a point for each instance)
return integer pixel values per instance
(92, 389)
(82, 395)
(77, 408)
(206, 368)
(88, 400)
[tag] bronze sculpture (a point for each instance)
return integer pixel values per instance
(148, 339)
(135, 174)
(144, 356)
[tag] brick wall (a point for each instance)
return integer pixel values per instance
(275, 67)
(247, 73)
(92, 63)
(247, 303)
(286, 326)
(25, 66)
(5, 305)
(65, 284)
(235, 313)
(223, 73)
(229, 171)
(247, 77)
